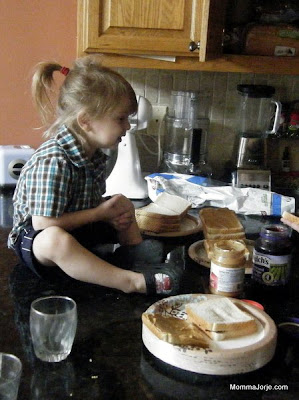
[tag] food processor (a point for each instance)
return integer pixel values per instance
(185, 142)
(255, 115)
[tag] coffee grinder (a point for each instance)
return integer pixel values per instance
(255, 115)
(185, 142)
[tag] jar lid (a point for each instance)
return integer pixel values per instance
(290, 327)
(257, 91)
(275, 232)
(229, 249)
(294, 116)
(254, 303)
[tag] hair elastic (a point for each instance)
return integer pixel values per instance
(64, 70)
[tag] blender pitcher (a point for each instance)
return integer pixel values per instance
(255, 115)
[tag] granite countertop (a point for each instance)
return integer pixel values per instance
(109, 360)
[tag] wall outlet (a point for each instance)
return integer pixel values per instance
(154, 125)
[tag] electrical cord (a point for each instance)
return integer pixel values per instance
(158, 141)
(145, 145)
(160, 130)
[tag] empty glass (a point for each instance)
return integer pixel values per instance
(53, 324)
(10, 374)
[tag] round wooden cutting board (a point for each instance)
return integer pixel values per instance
(226, 357)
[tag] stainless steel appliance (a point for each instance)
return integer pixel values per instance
(255, 178)
(255, 115)
(185, 143)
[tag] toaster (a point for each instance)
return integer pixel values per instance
(12, 160)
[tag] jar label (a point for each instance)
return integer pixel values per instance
(225, 279)
(271, 270)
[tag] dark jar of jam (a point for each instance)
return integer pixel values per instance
(272, 257)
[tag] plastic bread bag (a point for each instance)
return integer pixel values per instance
(202, 191)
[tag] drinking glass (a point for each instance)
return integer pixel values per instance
(53, 324)
(10, 374)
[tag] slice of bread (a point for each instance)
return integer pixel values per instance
(164, 215)
(167, 204)
(290, 217)
(220, 318)
(174, 203)
(224, 235)
(220, 220)
(175, 331)
(152, 223)
(158, 211)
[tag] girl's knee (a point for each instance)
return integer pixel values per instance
(53, 239)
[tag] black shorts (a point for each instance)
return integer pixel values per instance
(90, 236)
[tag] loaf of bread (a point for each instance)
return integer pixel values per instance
(175, 331)
(268, 40)
(221, 319)
(164, 215)
(290, 217)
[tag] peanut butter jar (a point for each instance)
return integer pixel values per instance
(227, 268)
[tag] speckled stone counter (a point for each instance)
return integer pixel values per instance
(108, 359)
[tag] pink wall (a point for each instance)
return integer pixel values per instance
(30, 31)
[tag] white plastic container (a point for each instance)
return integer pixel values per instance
(12, 160)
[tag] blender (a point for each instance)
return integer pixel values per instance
(255, 116)
(185, 140)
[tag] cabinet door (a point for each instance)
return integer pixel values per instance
(210, 28)
(150, 27)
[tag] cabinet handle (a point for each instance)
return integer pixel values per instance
(194, 46)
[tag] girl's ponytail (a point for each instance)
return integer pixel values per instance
(88, 87)
(42, 90)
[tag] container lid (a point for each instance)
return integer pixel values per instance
(290, 327)
(294, 117)
(229, 250)
(254, 303)
(257, 91)
(275, 232)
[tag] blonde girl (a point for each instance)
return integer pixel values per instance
(60, 214)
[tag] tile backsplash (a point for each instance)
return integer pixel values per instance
(221, 88)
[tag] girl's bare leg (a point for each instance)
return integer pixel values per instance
(56, 247)
(130, 236)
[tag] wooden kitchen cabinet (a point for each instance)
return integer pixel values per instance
(133, 33)
(150, 27)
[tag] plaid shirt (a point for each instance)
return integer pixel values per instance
(57, 179)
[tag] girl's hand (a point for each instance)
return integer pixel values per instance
(123, 222)
(117, 210)
(292, 225)
(291, 220)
